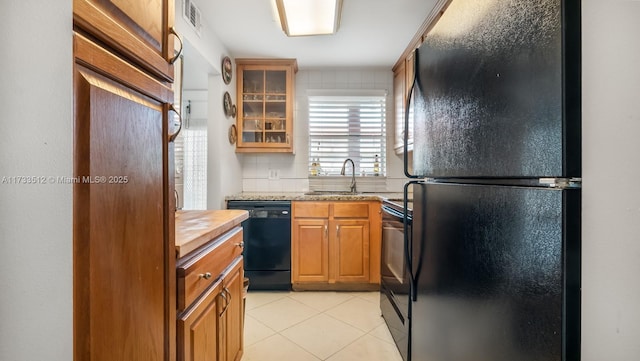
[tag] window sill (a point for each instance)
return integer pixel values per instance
(332, 183)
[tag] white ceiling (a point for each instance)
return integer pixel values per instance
(372, 32)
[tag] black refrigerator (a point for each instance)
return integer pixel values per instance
(494, 255)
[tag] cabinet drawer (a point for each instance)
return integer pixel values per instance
(350, 210)
(196, 273)
(311, 209)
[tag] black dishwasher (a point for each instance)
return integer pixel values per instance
(267, 243)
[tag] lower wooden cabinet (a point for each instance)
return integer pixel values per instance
(200, 329)
(335, 244)
(351, 247)
(211, 327)
(233, 313)
(310, 250)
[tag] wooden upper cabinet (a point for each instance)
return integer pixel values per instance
(403, 75)
(140, 30)
(265, 105)
(399, 97)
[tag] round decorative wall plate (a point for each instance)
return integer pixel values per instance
(227, 70)
(227, 104)
(233, 134)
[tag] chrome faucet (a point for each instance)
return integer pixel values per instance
(353, 173)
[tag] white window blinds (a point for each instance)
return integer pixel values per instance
(347, 125)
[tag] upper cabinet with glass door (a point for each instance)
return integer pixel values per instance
(265, 105)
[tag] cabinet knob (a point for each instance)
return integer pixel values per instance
(240, 244)
(206, 276)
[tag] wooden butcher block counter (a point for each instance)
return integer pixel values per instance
(195, 228)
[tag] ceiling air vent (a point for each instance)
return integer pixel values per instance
(192, 15)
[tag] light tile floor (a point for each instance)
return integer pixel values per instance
(312, 326)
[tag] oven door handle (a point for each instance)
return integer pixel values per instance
(392, 212)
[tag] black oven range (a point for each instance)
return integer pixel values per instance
(395, 281)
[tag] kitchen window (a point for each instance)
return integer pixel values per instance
(347, 124)
(191, 157)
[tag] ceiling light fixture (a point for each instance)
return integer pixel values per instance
(309, 17)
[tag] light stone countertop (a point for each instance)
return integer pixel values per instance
(195, 228)
(315, 196)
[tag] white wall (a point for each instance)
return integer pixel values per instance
(225, 172)
(294, 169)
(36, 220)
(611, 174)
(223, 165)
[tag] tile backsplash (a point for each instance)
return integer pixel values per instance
(343, 184)
(290, 172)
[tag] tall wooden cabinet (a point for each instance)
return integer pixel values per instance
(123, 214)
(265, 105)
(335, 244)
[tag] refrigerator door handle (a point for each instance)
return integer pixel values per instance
(417, 268)
(407, 106)
(408, 252)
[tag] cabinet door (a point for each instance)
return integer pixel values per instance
(410, 74)
(265, 105)
(200, 328)
(138, 29)
(123, 242)
(402, 81)
(399, 97)
(351, 250)
(310, 250)
(234, 312)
